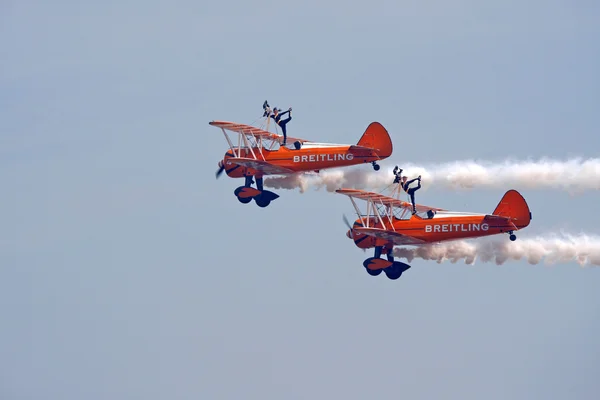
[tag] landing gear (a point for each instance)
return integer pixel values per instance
(393, 272)
(262, 201)
(246, 193)
(375, 166)
(244, 200)
(512, 237)
(393, 269)
(373, 272)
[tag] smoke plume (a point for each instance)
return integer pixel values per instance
(575, 176)
(583, 249)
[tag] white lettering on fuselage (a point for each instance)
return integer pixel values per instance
(323, 157)
(456, 227)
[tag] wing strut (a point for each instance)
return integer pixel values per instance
(388, 214)
(362, 221)
(230, 144)
(247, 143)
(377, 213)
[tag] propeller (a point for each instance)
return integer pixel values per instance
(221, 169)
(350, 232)
(346, 221)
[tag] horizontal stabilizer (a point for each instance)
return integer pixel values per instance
(356, 147)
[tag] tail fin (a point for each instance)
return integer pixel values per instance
(513, 206)
(377, 138)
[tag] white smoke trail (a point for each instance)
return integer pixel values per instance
(583, 249)
(575, 176)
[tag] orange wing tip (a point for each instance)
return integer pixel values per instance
(247, 192)
(377, 263)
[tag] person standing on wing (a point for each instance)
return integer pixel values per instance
(397, 174)
(267, 109)
(282, 122)
(411, 191)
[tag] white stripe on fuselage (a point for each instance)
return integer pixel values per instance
(456, 214)
(313, 145)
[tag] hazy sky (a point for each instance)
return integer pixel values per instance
(127, 271)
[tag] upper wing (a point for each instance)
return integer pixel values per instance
(385, 200)
(259, 165)
(394, 237)
(250, 130)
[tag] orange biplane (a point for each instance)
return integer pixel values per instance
(258, 153)
(388, 222)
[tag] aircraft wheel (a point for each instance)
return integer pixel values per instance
(373, 272)
(393, 273)
(376, 167)
(262, 202)
(245, 200)
(512, 238)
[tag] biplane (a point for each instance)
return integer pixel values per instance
(258, 153)
(389, 222)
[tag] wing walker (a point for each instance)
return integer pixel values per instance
(388, 221)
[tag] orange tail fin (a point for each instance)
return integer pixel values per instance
(514, 206)
(377, 138)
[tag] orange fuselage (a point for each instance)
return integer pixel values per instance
(438, 229)
(304, 159)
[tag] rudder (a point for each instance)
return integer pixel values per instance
(377, 138)
(514, 206)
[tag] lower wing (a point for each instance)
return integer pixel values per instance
(259, 165)
(394, 237)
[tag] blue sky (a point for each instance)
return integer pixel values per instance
(128, 271)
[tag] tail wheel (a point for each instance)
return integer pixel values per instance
(376, 166)
(512, 237)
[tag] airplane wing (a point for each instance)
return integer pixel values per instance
(385, 200)
(259, 165)
(394, 237)
(251, 130)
